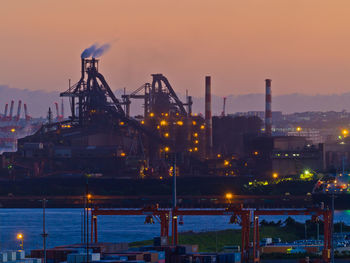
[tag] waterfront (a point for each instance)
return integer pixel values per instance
(64, 226)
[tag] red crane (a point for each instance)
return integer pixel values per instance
(28, 118)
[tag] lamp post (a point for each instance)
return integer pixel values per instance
(44, 234)
(20, 238)
(332, 231)
(229, 197)
(174, 216)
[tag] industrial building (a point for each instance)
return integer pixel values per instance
(99, 136)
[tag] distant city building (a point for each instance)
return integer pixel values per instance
(285, 155)
(313, 135)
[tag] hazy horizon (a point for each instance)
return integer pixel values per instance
(38, 102)
(303, 46)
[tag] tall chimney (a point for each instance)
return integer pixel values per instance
(62, 109)
(208, 120)
(6, 108)
(57, 111)
(82, 69)
(268, 112)
(11, 110)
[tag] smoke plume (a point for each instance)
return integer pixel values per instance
(89, 51)
(98, 52)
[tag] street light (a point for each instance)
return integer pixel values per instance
(229, 197)
(345, 132)
(20, 238)
(275, 175)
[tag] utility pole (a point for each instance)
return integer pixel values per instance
(174, 219)
(332, 229)
(87, 218)
(44, 234)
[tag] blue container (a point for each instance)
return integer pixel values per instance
(161, 254)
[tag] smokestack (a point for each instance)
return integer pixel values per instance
(57, 111)
(268, 112)
(6, 108)
(82, 69)
(11, 110)
(62, 109)
(19, 110)
(208, 120)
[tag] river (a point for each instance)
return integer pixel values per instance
(64, 226)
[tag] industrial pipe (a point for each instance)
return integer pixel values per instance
(268, 112)
(57, 111)
(208, 119)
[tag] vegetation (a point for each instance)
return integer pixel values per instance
(211, 241)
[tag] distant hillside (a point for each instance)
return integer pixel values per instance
(39, 101)
(286, 103)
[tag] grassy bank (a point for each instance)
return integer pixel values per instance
(212, 241)
(215, 240)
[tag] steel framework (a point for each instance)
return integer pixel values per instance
(238, 215)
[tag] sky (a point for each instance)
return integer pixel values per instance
(302, 45)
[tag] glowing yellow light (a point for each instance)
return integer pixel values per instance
(228, 196)
(123, 154)
(167, 149)
(345, 132)
(190, 150)
(19, 236)
(89, 196)
(158, 127)
(195, 149)
(161, 178)
(142, 122)
(226, 163)
(219, 155)
(177, 114)
(202, 127)
(194, 122)
(121, 123)
(275, 175)
(163, 123)
(166, 135)
(298, 128)
(196, 141)
(13, 130)
(256, 153)
(195, 134)
(151, 114)
(180, 123)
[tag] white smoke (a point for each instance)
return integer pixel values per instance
(89, 51)
(98, 52)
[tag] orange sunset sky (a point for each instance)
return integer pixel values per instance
(303, 45)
